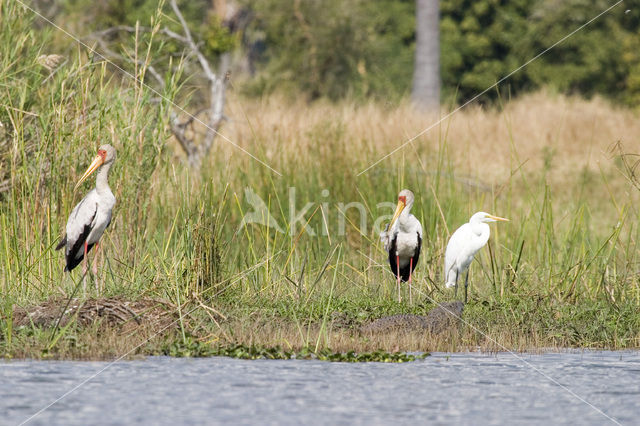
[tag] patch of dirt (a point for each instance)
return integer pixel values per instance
(112, 312)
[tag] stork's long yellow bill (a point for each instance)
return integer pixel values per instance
(399, 208)
(97, 162)
(500, 219)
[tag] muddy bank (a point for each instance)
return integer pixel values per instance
(114, 312)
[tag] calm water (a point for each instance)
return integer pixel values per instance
(460, 388)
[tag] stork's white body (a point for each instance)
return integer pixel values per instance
(407, 233)
(88, 220)
(91, 216)
(402, 240)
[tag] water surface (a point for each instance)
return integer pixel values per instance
(464, 388)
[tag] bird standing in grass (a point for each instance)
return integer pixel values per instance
(463, 245)
(91, 216)
(402, 239)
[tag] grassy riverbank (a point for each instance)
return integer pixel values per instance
(563, 272)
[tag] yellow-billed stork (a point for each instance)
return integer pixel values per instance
(402, 239)
(91, 216)
(463, 245)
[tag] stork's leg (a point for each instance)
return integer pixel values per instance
(410, 273)
(84, 270)
(398, 276)
(466, 284)
(455, 287)
(95, 270)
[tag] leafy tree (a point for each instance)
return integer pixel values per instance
(603, 58)
(484, 40)
(336, 49)
(363, 48)
(478, 41)
(333, 48)
(204, 23)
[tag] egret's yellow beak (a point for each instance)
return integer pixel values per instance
(399, 208)
(499, 219)
(97, 162)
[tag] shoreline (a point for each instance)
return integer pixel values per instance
(147, 327)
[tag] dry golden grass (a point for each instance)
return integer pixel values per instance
(293, 338)
(578, 133)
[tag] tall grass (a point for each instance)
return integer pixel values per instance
(569, 253)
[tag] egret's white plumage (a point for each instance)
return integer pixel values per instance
(402, 239)
(464, 244)
(91, 216)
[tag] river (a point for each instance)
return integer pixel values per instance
(462, 388)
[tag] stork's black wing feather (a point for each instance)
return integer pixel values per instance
(416, 256)
(392, 256)
(62, 243)
(408, 269)
(72, 260)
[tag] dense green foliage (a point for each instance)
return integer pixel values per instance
(361, 49)
(204, 23)
(603, 58)
(480, 42)
(366, 48)
(336, 49)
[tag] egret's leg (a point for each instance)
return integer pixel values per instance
(95, 270)
(410, 273)
(398, 276)
(466, 285)
(84, 270)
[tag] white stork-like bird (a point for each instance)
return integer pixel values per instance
(91, 216)
(402, 239)
(463, 245)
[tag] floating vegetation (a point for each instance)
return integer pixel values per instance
(193, 348)
(376, 356)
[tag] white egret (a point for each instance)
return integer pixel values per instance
(91, 216)
(463, 245)
(402, 239)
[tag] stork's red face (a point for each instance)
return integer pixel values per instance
(97, 162)
(402, 203)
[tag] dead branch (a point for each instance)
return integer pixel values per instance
(217, 87)
(216, 82)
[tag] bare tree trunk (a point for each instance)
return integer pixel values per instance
(426, 72)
